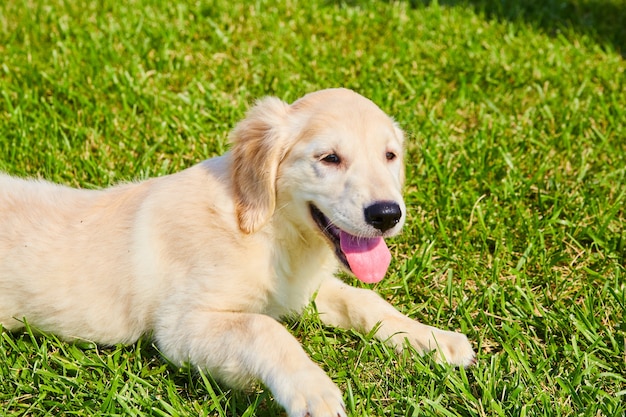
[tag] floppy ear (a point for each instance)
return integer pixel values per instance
(259, 145)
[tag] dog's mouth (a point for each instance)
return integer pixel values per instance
(367, 258)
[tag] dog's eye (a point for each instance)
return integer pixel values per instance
(332, 158)
(390, 156)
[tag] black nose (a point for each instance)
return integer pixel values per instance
(383, 215)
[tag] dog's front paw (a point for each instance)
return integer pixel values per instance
(453, 348)
(309, 393)
(449, 347)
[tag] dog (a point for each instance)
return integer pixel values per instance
(209, 259)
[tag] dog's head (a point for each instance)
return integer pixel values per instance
(331, 162)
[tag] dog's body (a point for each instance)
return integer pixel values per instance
(207, 259)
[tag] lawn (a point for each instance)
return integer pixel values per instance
(515, 113)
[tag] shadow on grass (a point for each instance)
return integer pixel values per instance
(602, 20)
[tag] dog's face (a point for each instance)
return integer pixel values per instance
(331, 163)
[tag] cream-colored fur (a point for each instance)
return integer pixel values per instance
(209, 258)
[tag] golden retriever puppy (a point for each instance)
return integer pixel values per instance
(208, 259)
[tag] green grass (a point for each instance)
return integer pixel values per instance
(516, 166)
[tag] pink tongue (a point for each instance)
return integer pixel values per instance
(368, 258)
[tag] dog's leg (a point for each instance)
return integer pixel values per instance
(238, 347)
(345, 306)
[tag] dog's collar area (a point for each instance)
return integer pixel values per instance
(331, 232)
